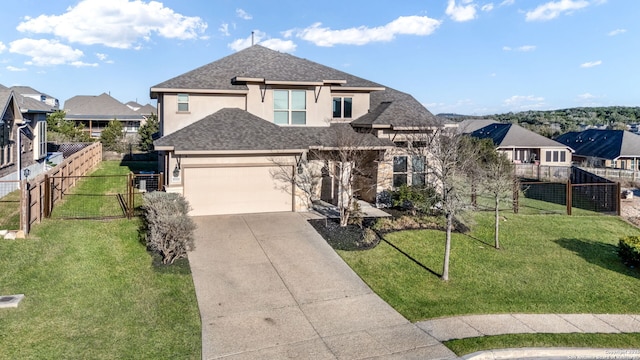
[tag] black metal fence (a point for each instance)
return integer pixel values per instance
(99, 196)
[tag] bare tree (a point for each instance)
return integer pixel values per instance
(499, 181)
(345, 156)
(451, 158)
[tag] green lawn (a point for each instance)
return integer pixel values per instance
(547, 264)
(92, 291)
(10, 211)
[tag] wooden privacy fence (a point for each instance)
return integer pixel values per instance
(35, 199)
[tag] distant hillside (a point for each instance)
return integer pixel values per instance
(552, 123)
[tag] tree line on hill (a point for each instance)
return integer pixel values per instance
(551, 123)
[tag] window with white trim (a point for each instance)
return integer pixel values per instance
(5, 143)
(290, 107)
(342, 107)
(42, 139)
(555, 156)
(183, 102)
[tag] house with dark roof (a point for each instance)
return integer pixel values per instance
(95, 112)
(23, 135)
(619, 149)
(227, 128)
(31, 93)
(519, 144)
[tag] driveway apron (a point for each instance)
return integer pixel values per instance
(269, 287)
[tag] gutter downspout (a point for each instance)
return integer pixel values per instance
(19, 151)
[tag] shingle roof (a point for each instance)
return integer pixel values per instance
(233, 129)
(98, 107)
(258, 62)
(31, 105)
(605, 144)
(5, 96)
(395, 109)
(506, 135)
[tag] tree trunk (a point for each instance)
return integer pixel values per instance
(497, 232)
(447, 248)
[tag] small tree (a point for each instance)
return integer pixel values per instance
(452, 159)
(167, 228)
(146, 132)
(61, 130)
(112, 136)
(498, 180)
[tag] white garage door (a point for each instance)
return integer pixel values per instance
(235, 190)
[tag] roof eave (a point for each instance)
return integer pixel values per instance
(155, 91)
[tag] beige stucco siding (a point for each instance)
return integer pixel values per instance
(200, 106)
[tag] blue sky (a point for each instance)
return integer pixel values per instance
(465, 56)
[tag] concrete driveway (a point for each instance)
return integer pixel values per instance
(269, 287)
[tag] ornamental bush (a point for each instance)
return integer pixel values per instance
(167, 228)
(629, 250)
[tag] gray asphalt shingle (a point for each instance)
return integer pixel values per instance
(605, 144)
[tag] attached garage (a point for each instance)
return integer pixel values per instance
(236, 190)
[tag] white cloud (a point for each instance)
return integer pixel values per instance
(487, 7)
(13, 68)
(116, 23)
(3, 47)
(104, 58)
(224, 29)
(461, 13)
(83, 64)
(261, 38)
(45, 52)
(520, 102)
(552, 10)
(243, 14)
(403, 25)
(587, 96)
(591, 64)
(523, 48)
(507, 2)
(617, 32)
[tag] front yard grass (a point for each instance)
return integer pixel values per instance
(546, 264)
(92, 291)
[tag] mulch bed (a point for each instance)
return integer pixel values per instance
(351, 237)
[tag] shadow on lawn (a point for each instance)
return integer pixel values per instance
(410, 257)
(597, 253)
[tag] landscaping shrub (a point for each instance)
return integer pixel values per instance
(629, 250)
(415, 198)
(167, 228)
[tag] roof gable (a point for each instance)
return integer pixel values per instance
(101, 106)
(257, 62)
(506, 134)
(391, 108)
(605, 144)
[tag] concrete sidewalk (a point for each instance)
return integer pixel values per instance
(269, 287)
(461, 327)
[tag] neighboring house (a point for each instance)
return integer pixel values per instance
(95, 112)
(29, 92)
(23, 137)
(519, 144)
(145, 110)
(618, 149)
(230, 127)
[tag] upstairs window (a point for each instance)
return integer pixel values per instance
(183, 102)
(290, 107)
(342, 107)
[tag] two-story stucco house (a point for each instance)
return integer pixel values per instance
(228, 127)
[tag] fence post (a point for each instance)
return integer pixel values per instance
(160, 181)
(516, 197)
(47, 197)
(24, 207)
(618, 204)
(569, 197)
